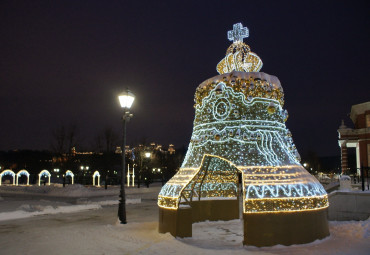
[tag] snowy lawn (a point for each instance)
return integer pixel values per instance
(88, 225)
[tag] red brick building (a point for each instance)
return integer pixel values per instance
(357, 137)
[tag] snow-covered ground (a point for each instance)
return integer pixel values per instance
(80, 220)
(26, 201)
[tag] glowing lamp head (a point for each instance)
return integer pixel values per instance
(147, 154)
(126, 99)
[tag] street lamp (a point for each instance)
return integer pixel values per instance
(84, 167)
(159, 172)
(126, 99)
(142, 155)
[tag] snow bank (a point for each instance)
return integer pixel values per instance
(30, 210)
(355, 229)
(78, 190)
(26, 211)
(75, 190)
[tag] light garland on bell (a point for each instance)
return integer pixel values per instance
(220, 129)
(239, 127)
(251, 86)
(287, 204)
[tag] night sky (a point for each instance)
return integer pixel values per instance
(64, 63)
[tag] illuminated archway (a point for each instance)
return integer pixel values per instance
(210, 192)
(23, 172)
(7, 172)
(69, 173)
(96, 174)
(45, 173)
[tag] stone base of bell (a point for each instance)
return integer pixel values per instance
(260, 229)
(214, 210)
(285, 228)
(176, 221)
(179, 221)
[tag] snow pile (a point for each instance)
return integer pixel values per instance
(78, 190)
(35, 209)
(24, 201)
(115, 202)
(75, 190)
(357, 229)
(26, 210)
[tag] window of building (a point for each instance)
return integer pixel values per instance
(367, 120)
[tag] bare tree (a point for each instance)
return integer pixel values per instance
(106, 140)
(64, 138)
(111, 139)
(99, 147)
(59, 139)
(72, 135)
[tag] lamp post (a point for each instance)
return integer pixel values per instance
(147, 155)
(161, 172)
(126, 99)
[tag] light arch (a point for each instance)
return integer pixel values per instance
(227, 181)
(44, 173)
(70, 173)
(23, 172)
(7, 172)
(96, 174)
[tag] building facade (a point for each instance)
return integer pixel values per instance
(357, 137)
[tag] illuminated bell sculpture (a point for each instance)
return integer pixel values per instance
(240, 145)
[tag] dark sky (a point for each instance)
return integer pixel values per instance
(64, 62)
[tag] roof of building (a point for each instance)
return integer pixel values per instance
(358, 109)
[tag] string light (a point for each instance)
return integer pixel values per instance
(239, 128)
(239, 56)
(45, 173)
(69, 173)
(7, 172)
(25, 173)
(96, 174)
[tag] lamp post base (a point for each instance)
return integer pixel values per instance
(122, 210)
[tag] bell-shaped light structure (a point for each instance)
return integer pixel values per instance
(241, 149)
(126, 99)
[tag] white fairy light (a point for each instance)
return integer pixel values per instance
(7, 172)
(239, 127)
(238, 33)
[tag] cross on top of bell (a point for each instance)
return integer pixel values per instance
(238, 33)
